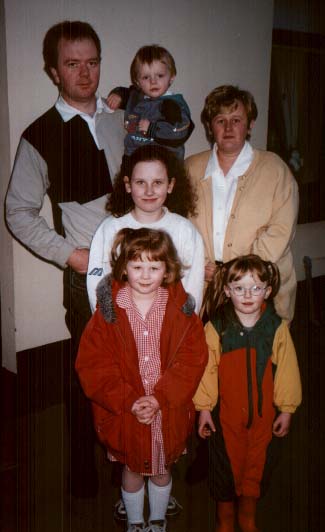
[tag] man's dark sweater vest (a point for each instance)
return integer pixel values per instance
(77, 169)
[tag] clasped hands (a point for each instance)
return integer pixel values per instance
(145, 409)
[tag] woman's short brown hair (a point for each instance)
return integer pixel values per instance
(131, 244)
(146, 55)
(226, 96)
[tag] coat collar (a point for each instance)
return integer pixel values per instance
(107, 289)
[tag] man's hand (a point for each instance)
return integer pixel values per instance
(281, 425)
(113, 101)
(78, 260)
(206, 425)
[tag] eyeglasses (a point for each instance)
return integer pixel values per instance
(254, 291)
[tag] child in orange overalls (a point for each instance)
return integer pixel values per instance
(252, 374)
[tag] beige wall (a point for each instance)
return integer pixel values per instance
(213, 42)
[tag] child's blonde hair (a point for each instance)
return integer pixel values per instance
(215, 297)
(131, 244)
(146, 55)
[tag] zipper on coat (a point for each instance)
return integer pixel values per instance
(249, 382)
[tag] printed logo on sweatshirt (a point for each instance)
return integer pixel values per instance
(96, 271)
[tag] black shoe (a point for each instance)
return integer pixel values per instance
(119, 511)
(173, 508)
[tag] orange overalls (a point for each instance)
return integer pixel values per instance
(244, 414)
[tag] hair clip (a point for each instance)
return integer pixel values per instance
(270, 269)
(219, 264)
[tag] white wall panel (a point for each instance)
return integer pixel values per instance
(213, 42)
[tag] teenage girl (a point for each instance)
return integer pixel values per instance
(140, 360)
(151, 190)
(253, 375)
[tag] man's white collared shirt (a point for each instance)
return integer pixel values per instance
(223, 192)
(68, 112)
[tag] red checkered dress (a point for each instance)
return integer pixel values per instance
(146, 333)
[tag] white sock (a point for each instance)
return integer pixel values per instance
(133, 503)
(158, 500)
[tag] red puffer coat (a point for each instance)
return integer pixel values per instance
(108, 369)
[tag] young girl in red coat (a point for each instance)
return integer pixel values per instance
(252, 373)
(140, 360)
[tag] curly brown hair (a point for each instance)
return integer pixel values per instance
(226, 96)
(181, 201)
(130, 244)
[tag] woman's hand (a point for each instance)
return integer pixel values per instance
(210, 269)
(206, 425)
